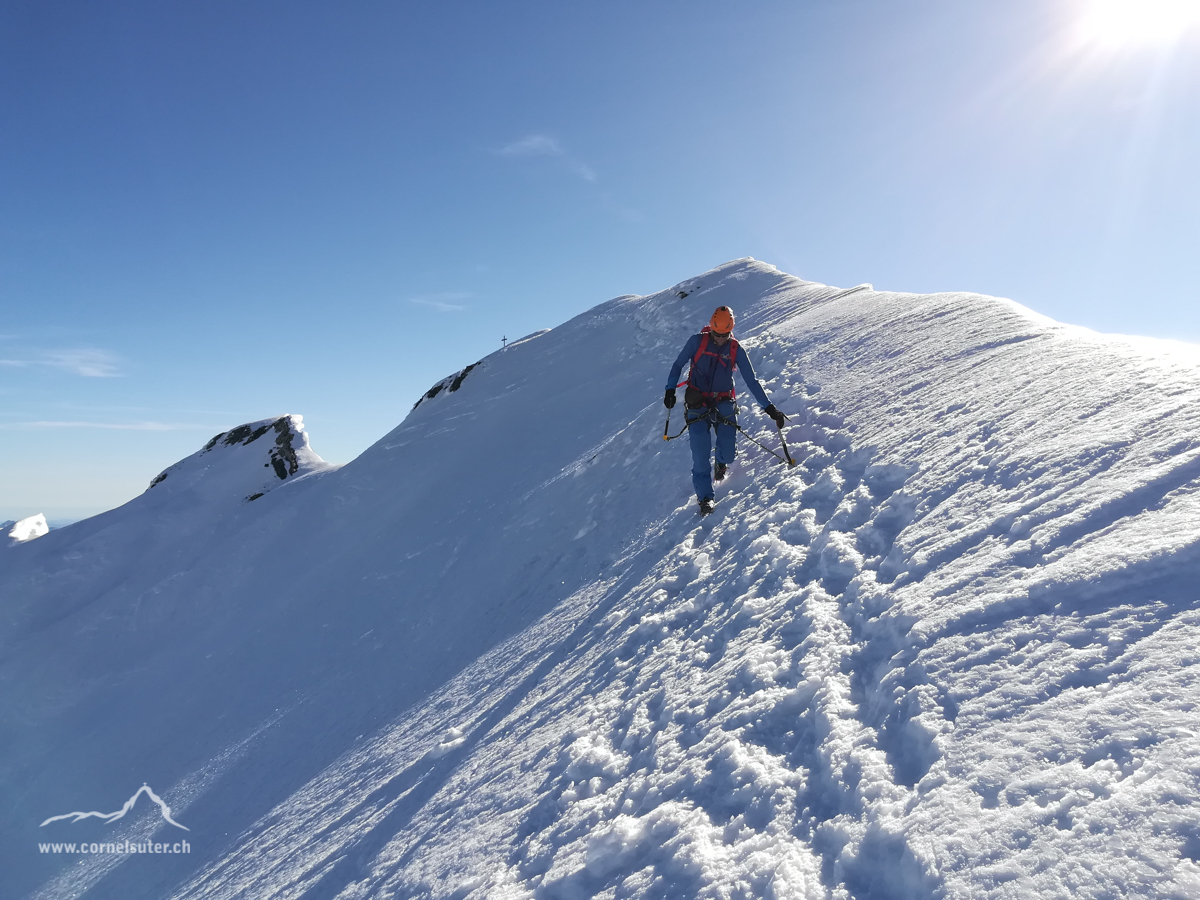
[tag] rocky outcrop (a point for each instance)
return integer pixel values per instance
(235, 458)
(451, 384)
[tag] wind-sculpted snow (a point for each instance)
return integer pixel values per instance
(950, 654)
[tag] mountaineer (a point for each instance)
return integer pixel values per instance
(709, 399)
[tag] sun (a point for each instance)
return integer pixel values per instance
(1116, 23)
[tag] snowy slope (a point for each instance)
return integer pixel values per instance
(952, 653)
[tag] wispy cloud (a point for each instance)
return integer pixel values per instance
(89, 362)
(544, 145)
(533, 145)
(117, 426)
(583, 170)
(443, 302)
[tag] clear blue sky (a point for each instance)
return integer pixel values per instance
(215, 212)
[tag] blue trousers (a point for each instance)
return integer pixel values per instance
(700, 431)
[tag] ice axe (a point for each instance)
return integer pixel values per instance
(744, 433)
(787, 453)
(791, 462)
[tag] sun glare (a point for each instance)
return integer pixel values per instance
(1123, 22)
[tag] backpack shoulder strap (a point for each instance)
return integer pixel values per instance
(696, 359)
(733, 355)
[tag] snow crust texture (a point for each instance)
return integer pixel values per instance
(952, 653)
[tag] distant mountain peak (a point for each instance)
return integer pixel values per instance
(21, 530)
(237, 456)
(289, 433)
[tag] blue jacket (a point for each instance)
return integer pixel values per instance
(714, 374)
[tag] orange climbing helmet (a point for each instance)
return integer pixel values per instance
(722, 320)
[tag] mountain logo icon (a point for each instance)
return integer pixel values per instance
(113, 816)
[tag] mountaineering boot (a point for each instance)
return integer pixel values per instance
(706, 505)
(719, 472)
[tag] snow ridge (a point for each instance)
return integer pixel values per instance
(689, 759)
(949, 654)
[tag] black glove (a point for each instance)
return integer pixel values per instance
(775, 414)
(669, 398)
